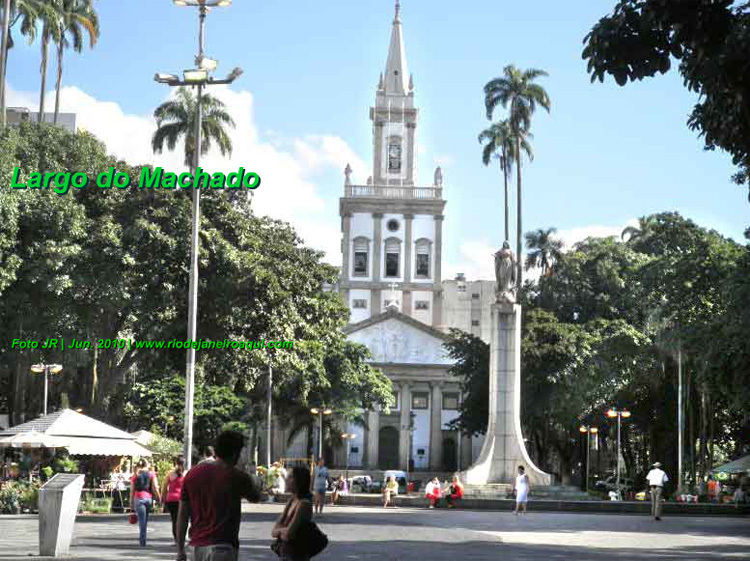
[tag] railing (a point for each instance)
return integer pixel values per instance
(392, 192)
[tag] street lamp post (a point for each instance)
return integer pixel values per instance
(195, 77)
(47, 369)
(588, 430)
(612, 413)
(320, 412)
(348, 437)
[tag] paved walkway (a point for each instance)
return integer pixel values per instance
(417, 534)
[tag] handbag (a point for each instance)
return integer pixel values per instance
(316, 542)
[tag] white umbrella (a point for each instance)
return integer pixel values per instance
(30, 439)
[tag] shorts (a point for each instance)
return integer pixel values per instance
(320, 491)
(218, 552)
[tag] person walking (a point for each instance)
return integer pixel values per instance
(143, 488)
(656, 479)
(292, 527)
(211, 496)
(522, 486)
(171, 490)
(320, 484)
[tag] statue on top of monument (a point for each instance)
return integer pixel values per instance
(348, 174)
(505, 275)
(438, 177)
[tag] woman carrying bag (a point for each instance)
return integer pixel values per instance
(297, 536)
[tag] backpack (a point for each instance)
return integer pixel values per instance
(143, 481)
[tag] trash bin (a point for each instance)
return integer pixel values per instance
(58, 506)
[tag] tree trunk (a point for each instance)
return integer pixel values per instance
(504, 167)
(94, 376)
(4, 31)
(58, 84)
(519, 224)
(43, 71)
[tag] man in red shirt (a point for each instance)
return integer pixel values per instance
(211, 495)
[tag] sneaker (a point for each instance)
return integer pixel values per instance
(658, 518)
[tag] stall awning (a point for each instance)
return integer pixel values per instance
(81, 435)
(740, 465)
(82, 446)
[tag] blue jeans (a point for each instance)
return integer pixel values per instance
(142, 506)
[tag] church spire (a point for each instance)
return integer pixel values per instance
(396, 70)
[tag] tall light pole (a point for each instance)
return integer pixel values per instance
(348, 437)
(588, 430)
(195, 77)
(612, 413)
(47, 369)
(680, 421)
(320, 412)
(269, 396)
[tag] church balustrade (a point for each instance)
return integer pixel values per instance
(393, 192)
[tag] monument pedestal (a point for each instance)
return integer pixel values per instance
(504, 449)
(58, 506)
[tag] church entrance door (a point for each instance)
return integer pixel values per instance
(388, 448)
(450, 455)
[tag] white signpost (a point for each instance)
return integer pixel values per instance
(58, 506)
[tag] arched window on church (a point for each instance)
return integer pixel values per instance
(361, 256)
(424, 251)
(394, 154)
(392, 257)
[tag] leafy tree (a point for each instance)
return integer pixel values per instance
(709, 39)
(78, 18)
(544, 249)
(176, 119)
(471, 366)
(517, 91)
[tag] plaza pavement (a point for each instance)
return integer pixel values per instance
(371, 534)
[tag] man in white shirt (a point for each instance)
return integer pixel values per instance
(656, 480)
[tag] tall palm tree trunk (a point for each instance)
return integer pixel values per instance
(505, 181)
(43, 70)
(519, 225)
(4, 57)
(58, 84)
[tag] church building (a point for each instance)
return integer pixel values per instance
(391, 280)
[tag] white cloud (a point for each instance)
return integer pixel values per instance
(571, 236)
(287, 166)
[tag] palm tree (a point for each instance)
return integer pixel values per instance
(28, 12)
(176, 118)
(52, 30)
(544, 249)
(516, 88)
(78, 16)
(501, 143)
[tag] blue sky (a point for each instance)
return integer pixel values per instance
(604, 156)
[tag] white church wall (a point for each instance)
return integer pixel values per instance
(356, 446)
(421, 439)
(393, 341)
(389, 295)
(423, 315)
(359, 314)
(446, 416)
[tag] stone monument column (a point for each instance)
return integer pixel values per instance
(504, 449)
(373, 435)
(436, 427)
(404, 451)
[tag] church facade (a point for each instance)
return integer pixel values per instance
(391, 281)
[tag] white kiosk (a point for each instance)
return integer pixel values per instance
(58, 506)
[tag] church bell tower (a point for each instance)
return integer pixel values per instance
(392, 228)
